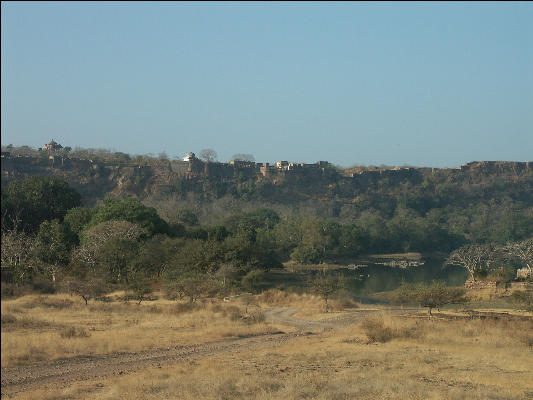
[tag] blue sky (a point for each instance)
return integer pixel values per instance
(434, 84)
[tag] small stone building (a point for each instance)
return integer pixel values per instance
(189, 157)
(52, 146)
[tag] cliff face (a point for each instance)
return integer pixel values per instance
(94, 180)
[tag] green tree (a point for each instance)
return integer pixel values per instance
(436, 295)
(90, 285)
(131, 210)
(27, 203)
(186, 217)
(139, 285)
(353, 240)
(156, 253)
(245, 254)
(253, 280)
(116, 255)
(326, 285)
(78, 217)
(95, 251)
(264, 218)
(52, 248)
(188, 284)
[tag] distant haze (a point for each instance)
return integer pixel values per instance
(434, 84)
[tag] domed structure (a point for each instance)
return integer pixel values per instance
(189, 157)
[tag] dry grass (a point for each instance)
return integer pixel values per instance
(308, 306)
(477, 359)
(36, 328)
(381, 357)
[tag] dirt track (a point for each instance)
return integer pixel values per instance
(62, 373)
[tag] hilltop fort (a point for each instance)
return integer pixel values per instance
(320, 180)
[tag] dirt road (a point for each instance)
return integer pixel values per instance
(62, 373)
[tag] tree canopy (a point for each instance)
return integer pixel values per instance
(131, 210)
(28, 202)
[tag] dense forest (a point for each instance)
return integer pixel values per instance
(215, 235)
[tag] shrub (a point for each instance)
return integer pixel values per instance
(376, 331)
(254, 317)
(43, 286)
(73, 332)
(253, 280)
(343, 304)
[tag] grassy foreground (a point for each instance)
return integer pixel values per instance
(382, 357)
(45, 328)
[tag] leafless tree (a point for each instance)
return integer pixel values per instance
(522, 250)
(90, 287)
(113, 229)
(88, 254)
(473, 257)
(208, 155)
(226, 272)
(17, 252)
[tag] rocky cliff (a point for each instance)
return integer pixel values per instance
(285, 182)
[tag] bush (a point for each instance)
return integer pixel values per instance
(254, 317)
(342, 304)
(14, 289)
(253, 280)
(376, 331)
(73, 332)
(43, 286)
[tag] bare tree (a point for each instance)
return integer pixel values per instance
(226, 272)
(91, 286)
(17, 252)
(113, 229)
(208, 155)
(474, 258)
(106, 244)
(436, 295)
(522, 250)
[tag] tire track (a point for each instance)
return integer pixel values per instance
(61, 373)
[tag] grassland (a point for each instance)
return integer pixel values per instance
(51, 327)
(381, 354)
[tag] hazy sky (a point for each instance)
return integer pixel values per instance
(436, 84)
